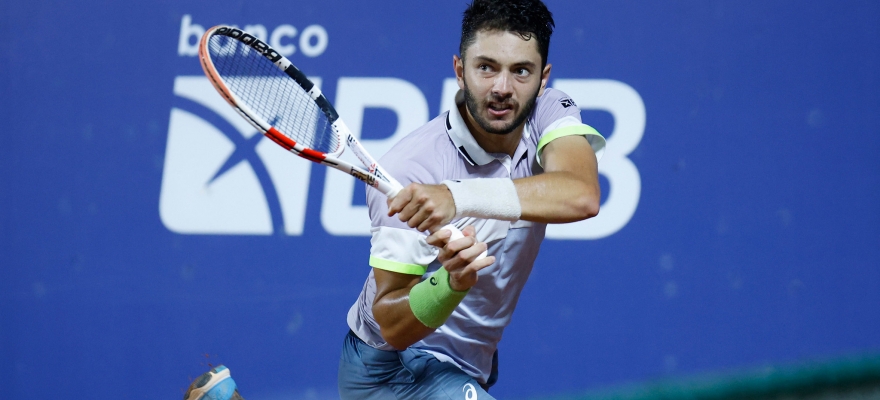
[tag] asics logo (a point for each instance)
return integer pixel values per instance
(470, 392)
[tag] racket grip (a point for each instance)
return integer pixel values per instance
(456, 234)
(391, 189)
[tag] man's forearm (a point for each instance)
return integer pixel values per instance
(407, 308)
(399, 327)
(557, 197)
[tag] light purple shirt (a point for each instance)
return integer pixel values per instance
(445, 149)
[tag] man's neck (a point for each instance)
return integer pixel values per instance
(490, 142)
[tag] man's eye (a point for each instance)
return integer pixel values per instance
(522, 72)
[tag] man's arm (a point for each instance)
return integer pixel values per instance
(398, 324)
(567, 191)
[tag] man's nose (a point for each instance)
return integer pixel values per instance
(502, 86)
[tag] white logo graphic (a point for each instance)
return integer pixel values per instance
(354, 95)
(340, 217)
(470, 392)
(209, 183)
(229, 181)
(625, 184)
(312, 42)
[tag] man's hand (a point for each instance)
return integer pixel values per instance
(424, 207)
(459, 257)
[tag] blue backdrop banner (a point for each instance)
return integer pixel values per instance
(740, 221)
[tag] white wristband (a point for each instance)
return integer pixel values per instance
(490, 198)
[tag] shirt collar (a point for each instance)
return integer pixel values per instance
(463, 139)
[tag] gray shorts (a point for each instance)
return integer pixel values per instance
(369, 373)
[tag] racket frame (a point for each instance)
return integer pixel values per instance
(373, 174)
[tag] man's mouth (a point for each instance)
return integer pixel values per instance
(499, 109)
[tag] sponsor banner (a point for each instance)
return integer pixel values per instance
(147, 231)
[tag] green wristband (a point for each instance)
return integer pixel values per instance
(433, 300)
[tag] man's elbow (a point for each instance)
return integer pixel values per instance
(397, 341)
(392, 331)
(587, 206)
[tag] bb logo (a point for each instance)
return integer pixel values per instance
(220, 177)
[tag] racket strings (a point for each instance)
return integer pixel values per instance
(272, 95)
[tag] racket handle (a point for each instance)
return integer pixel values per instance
(390, 189)
(392, 192)
(456, 234)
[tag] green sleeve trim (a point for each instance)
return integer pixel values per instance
(432, 301)
(394, 266)
(582, 130)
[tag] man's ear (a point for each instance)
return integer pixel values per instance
(545, 77)
(458, 66)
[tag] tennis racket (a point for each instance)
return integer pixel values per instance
(268, 91)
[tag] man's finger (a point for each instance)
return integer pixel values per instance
(448, 255)
(396, 204)
(422, 219)
(461, 244)
(469, 230)
(430, 223)
(410, 214)
(462, 252)
(439, 238)
(479, 264)
(470, 253)
(467, 277)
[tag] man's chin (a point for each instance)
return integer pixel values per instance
(499, 128)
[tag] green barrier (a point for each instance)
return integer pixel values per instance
(846, 378)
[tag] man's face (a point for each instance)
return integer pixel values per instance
(501, 77)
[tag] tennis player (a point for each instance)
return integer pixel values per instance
(512, 156)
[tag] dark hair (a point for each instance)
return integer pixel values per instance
(527, 18)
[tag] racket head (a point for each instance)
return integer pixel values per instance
(272, 94)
